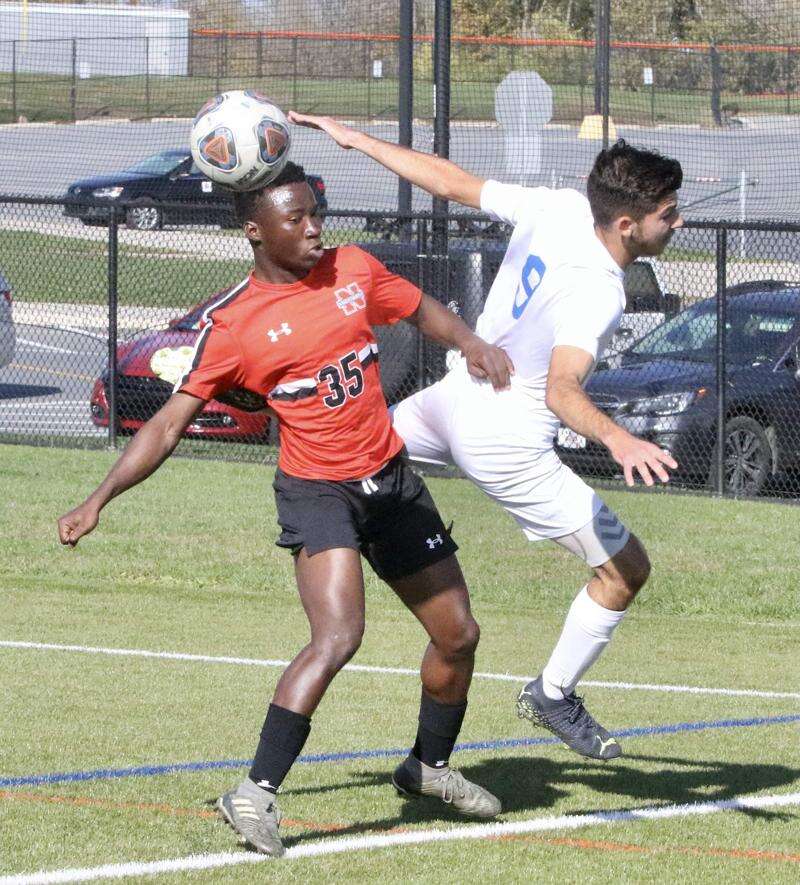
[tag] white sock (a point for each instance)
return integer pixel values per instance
(587, 630)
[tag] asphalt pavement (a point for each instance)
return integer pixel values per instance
(42, 160)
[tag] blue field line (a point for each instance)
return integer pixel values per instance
(509, 743)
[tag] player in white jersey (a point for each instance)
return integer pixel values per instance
(555, 303)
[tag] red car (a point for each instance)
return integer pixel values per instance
(149, 364)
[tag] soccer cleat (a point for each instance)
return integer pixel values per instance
(413, 778)
(254, 815)
(569, 720)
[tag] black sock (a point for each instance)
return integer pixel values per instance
(282, 738)
(439, 725)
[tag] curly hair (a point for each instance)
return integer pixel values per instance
(630, 181)
(245, 203)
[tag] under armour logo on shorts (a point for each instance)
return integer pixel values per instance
(432, 542)
(284, 330)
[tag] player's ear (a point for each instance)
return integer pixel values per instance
(252, 231)
(624, 225)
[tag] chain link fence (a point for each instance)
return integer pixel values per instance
(99, 318)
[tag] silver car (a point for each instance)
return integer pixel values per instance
(8, 337)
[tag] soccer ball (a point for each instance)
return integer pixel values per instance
(240, 140)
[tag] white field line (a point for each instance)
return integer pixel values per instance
(396, 671)
(41, 346)
(413, 837)
(44, 404)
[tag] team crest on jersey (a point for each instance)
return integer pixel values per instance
(350, 299)
(274, 334)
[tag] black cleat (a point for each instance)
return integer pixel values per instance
(569, 720)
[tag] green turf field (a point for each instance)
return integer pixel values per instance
(186, 564)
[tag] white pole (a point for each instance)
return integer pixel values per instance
(742, 211)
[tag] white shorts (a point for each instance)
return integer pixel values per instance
(491, 436)
(599, 540)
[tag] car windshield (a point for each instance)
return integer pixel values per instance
(158, 164)
(753, 335)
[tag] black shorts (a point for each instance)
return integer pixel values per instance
(390, 518)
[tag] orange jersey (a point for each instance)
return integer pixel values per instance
(309, 349)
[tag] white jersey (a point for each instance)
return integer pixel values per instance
(557, 285)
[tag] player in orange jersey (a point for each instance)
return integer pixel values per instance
(297, 335)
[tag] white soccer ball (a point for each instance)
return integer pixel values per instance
(240, 139)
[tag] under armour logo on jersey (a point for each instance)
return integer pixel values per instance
(284, 330)
(432, 542)
(350, 299)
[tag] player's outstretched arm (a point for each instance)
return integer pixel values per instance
(148, 449)
(434, 174)
(566, 398)
(484, 360)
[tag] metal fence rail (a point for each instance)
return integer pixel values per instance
(84, 77)
(706, 362)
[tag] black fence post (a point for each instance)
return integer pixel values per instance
(424, 277)
(368, 75)
(441, 142)
(602, 63)
(73, 90)
(189, 51)
(405, 103)
(652, 89)
(721, 260)
(294, 74)
(13, 81)
(716, 84)
(147, 77)
(259, 56)
(113, 268)
(219, 65)
(789, 84)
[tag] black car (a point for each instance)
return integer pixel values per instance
(663, 388)
(167, 177)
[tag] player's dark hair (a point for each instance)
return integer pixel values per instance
(245, 203)
(630, 181)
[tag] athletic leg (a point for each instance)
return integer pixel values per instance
(594, 615)
(438, 598)
(331, 588)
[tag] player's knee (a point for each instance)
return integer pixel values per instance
(337, 646)
(462, 643)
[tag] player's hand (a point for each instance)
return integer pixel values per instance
(636, 455)
(485, 360)
(77, 523)
(341, 134)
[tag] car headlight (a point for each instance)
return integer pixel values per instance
(110, 193)
(667, 404)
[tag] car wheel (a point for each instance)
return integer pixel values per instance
(144, 217)
(748, 457)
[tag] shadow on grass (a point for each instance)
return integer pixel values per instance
(528, 784)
